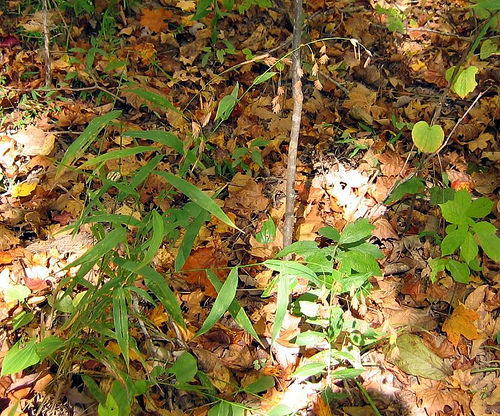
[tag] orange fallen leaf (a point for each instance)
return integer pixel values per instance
(205, 258)
(155, 19)
(461, 323)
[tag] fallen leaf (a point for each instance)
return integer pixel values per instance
(460, 323)
(418, 360)
(154, 19)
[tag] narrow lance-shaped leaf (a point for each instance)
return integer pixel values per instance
(79, 146)
(120, 318)
(157, 284)
(117, 154)
(198, 197)
(224, 299)
(235, 309)
(281, 304)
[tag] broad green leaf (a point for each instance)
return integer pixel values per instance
(465, 82)
(309, 370)
(224, 298)
(441, 195)
(299, 247)
(454, 212)
(352, 281)
(410, 187)
(262, 384)
(356, 232)
(293, 268)
(117, 154)
(48, 346)
(160, 136)
(264, 77)
(78, 148)
(488, 48)
(427, 138)
(227, 104)
(21, 319)
(198, 197)
(281, 410)
(458, 270)
(347, 373)
(110, 408)
(490, 243)
(16, 292)
(202, 10)
(358, 261)
(157, 284)
(103, 247)
(18, 359)
(453, 240)
(330, 233)
(480, 208)
(120, 318)
(418, 360)
(155, 98)
(184, 368)
(469, 249)
(310, 338)
(437, 265)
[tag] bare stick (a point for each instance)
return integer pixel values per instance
(294, 133)
(46, 50)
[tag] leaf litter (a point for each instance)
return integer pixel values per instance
(355, 147)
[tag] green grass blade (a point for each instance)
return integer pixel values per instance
(159, 136)
(189, 238)
(120, 318)
(155, 99)
(102, 248)
(235, 309)
(281, 305)
(198, 197)
(224, 299)
(117, 154)
(157, 284)
(80, 145)
(156, 239)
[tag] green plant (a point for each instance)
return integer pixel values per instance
(337, 274)
(395, 18)
(465, 234)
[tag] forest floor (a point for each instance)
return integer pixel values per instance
(372, 69)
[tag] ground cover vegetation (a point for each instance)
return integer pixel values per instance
(145, 258)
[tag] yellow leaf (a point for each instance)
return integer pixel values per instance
(460, 323)
(22, 189)
(186, 5)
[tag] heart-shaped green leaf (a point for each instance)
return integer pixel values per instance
(427, 138)
(465, 82)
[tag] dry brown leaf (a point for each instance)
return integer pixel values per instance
(205, 258)
(154, 19)
(434, 396)
(461, 323)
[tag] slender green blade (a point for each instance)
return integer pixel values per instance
(224, 299)
(120, 318)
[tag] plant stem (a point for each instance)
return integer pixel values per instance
(295, 130)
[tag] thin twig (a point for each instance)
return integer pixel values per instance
(46, 50)
(295, 130)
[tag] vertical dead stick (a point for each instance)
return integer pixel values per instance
(46, 50)
(294, 133)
